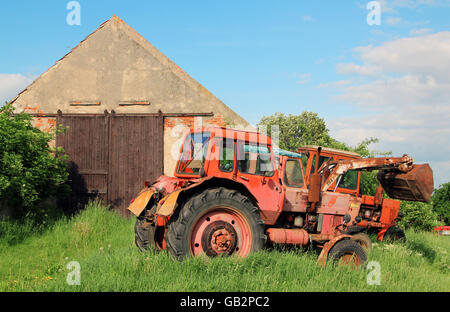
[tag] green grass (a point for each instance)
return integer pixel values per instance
(103, 243)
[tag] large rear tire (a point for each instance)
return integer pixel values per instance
(215, 222)
(348, 252)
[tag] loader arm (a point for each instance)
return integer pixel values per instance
(399, 176)
(340, 167)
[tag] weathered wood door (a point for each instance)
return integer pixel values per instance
(136, 156)
(110, 156)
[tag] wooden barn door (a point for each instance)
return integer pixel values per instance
(86, 142)
(111, 156)
(136, 156)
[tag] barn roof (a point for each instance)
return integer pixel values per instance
(144, 42)
(169, 65)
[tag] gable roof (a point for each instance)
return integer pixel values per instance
(115, 21)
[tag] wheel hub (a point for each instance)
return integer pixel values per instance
(219, 237)
(350, 259)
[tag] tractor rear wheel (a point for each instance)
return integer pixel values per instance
(215, 222)
(348, 252)
(364, 240)
(394, 234)
(144, 235)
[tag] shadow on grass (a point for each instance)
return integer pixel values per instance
(427, 252)
(36, 222)
(16, 230)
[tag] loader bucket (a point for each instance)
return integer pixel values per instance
(415, 185)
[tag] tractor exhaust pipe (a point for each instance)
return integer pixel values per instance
(315, 185)
(288, 236)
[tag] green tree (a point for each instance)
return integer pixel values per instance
(29, 169)
(309, 129)
(441, 202)
(298, 130)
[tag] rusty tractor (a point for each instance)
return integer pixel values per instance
(229, 196)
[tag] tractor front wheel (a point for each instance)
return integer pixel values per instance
(216, 222)
(348, 252)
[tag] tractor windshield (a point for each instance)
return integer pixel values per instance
(194, 152)
(349, 180)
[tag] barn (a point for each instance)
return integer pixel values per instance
(125, 106)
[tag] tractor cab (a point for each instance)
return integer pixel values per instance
(227, 153)
(350, 181)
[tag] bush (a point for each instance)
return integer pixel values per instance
(419, 216)
(30, 170)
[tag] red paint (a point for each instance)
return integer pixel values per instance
(237, 238)
(288, 236)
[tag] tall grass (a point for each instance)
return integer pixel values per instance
(103, 243)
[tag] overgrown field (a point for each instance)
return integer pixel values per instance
(103, 243)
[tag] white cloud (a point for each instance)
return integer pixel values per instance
(422, 56)
(351, 69)
(11, 85)
(335, 84)
(397, 93)
(403, 86)
(420, 32)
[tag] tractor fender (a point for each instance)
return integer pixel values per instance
(168, 204)
(140, 202)
(327, 247)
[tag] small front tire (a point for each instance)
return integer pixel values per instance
(348, 252)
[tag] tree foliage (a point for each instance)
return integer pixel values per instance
(29, 169)
(298, 130)
(309, 129)
(441, 202)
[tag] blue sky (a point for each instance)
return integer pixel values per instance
(260, 57)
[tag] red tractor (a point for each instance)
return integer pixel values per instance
(228, 197)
